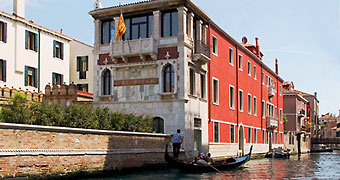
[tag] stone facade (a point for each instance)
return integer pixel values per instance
(40, 150)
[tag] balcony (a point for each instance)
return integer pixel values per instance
(202, 52)
(271, 92)
(272, 122)
(138, 47)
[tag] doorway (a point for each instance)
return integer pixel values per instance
(241, 139)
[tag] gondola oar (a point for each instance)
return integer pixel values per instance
(214, 168)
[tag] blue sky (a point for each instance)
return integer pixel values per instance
(304, 35)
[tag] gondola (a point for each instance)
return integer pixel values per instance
(217, 165)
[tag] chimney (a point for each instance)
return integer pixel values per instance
(258, 52)
(276, 67)
(61, 31)
(315, 94)
(19, 8)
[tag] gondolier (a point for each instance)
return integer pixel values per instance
(177, 140)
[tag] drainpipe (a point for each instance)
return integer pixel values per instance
(237, 86)
(209, 84)
(262, 110)
(39, 60)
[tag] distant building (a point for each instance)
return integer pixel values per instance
(328, 126)
(32, 56)
(338, 126)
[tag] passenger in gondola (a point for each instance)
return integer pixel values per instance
(209, 159)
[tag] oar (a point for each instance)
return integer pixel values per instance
(214, 168)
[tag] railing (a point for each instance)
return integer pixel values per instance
(272, 122)
(145, 46)
(325, 140)
(202, 48)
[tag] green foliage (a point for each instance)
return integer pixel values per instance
(308, 125)
(285, 119)
(77, 116)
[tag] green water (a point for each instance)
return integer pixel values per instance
(307, 166)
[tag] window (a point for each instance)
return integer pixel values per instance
(231, 56)
(58, 49)
(169, 24)
(31, 41)
(281, 138)
(249, 68)
(267, 134)
(240, 62)
(57, 79)
(2, 70)
(83, 87)
(276, 138)
(3, 31)
(262, 78)
(240, 99)
(214, 48)
(275, 112)
(158, 125)
(106, 82)
(192, 81)
(108, 31)
(263, 137)
(255, 106)
(280, 90)
(138, 27)
(215, 91)
(255, 136)
(231, 97)
(202, 85)
(216, 132)
(82, 66)
(281, 116)
(270, 110)
(263, 109)
(249, 135)
(197, 123)
(249, 104)
(254, 72)
(169, 78)
(232, 133)
(31, 75)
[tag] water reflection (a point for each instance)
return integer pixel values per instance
(307, 166)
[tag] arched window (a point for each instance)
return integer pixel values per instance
(169, 78)
(158, 125)
(106, 82)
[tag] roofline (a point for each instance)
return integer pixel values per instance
(33, 25)
(82, 43)
(298, 95)
(199, 11)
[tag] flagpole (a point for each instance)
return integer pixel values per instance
(127, 38)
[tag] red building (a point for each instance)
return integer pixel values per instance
(246, 102)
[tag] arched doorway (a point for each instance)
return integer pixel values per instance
(241, 139)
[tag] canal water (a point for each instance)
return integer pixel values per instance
(307, 166)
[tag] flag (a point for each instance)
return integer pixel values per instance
(121, 28)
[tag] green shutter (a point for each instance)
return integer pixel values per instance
(35, 77)
(62, 79)
(54, 48)
(4, 31)
(35, 42)
(53, 76)
(61, 50)
(26, 39)
(87, 63)
(26, 75)
(78, 63)
(4, 70)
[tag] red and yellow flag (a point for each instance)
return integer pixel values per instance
(121, 28)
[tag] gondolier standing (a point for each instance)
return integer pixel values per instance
(177, 140)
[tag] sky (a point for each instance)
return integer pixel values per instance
(303, 35)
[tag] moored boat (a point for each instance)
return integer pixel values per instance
(217, 165)
(278, 153)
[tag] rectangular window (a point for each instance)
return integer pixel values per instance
(202, 85)
(254, 72)
(255, 136)
(249, 135)
(140, 27)
(267, 134)
(262, 78)
(82, 66)
(3, 70)
(216, 132)
(263, 109)
(276, 138)
(192, 81)
(58, 49)
(57, 79)
(3, 31)
(31, 41)
(240, 62)
(232, 133)
(169, 24)
(31, 75)
(249, 104)
(108, 31)
(255, 106)
(240, 100)
(275, 112)
(83, 87)
(281, 138)
(214, 48)
(231, 56)
(249, 68)
(215, 91)
(280, 90)
(231, 97)
(263, 137)
(281, 116)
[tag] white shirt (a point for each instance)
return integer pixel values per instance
(176, 137)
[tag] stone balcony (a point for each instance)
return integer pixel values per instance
(202, 52)
(271, 122)
(271, 91)
(132, 48)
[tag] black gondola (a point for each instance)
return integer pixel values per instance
(217, 165)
